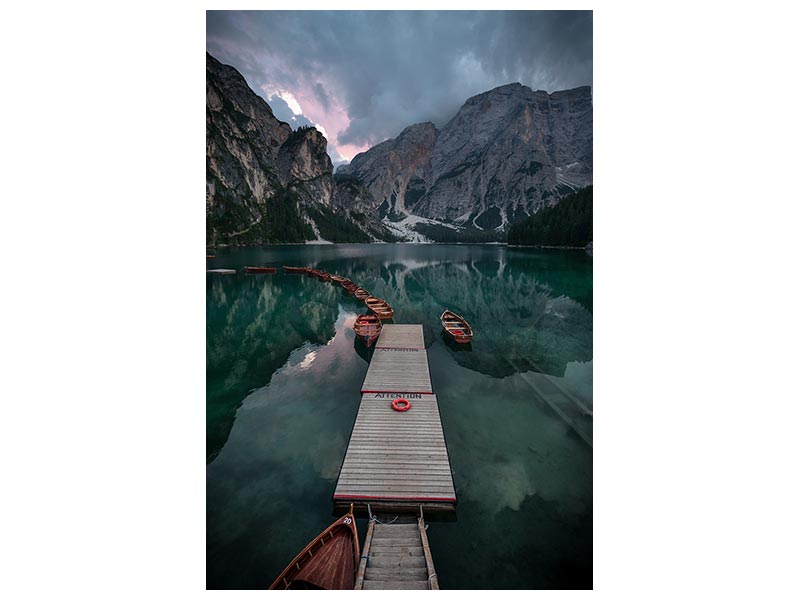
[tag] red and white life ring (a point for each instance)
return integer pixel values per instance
(401, 404)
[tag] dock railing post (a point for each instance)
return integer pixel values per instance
(363, 563)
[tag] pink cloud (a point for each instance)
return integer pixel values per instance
(332, 116)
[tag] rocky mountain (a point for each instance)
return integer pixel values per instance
(265, 182)
(387, 169)
(505, 154)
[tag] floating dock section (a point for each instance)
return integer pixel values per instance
(397, 556)
(397, 461)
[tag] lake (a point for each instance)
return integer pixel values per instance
(283, 374)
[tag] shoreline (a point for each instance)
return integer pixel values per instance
(536, 247)
(360, 244)
(539, 247)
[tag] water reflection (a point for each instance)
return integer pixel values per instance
(362, 351)
(284, 370)
(452, 344)
(252, 326)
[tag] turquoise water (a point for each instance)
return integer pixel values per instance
(283, 370)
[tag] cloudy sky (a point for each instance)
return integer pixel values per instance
(361, 77)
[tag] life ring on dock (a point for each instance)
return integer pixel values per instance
(396, 404)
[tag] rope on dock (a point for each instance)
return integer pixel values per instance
(375, 519)
(381, 522)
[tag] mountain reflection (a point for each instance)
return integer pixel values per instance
(522, 318)
(253, 323)
(284, 369)
(530, 310)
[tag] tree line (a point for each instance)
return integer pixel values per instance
(568, 223)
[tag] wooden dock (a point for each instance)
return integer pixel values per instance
(397, 461)
(396, 556)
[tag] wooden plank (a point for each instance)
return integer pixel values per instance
(394, 468)
(414, 481)
(407, 486)
(396, 574)
(395, 507)
(372, 463)
(395, 585)
(394, 492)
(361, 466)
(398, 560)
(396, 529)
(394, 553)
(383, 540)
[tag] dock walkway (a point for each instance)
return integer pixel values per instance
(397, 461)
(396, 556)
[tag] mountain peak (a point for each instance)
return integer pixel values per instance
(506, 153)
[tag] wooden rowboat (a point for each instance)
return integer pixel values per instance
(319, 274)
(361, 293)
(368, 328)
(379, 307)
(260, 269)
(222, 271)
(294, 269)
(210, 256)
(457, 327)
(329, 562)
(350, 289)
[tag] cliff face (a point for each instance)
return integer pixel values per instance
(388, 169)
(505, 154)
(303, 164)
(263, 180)
(243, 138)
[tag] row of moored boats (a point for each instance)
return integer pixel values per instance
(368, 326)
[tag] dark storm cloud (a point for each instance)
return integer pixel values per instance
(322, 96)
(364, 76)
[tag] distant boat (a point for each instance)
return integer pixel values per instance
(222, 271)
(329, 562)
(294, 269)
(379, 307)
(260, 269)
(368, 328)
(457, 327)
(361, 293)
(350, 288)
(338, 279)
(210, 256)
